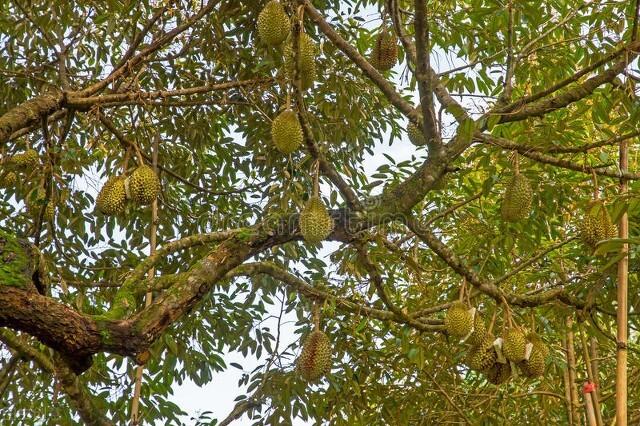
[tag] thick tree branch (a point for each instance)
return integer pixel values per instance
(77, 392)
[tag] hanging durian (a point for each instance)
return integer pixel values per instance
(112, 197)
(514, 344)
(9, 180)
(315, 359)
(458, 321)
(416, 136)
(482, 355)
(479, 330)
(596, 225)
(516, 204)
(535, 365)
(286, 132)
(385, 51)
(306, 60)
(144, 185)
(273, 23)
(315, 221)
(26, 160)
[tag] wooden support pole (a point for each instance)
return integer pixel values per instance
(571, 364)
(622, 308)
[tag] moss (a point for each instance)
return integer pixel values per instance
(123, 303)
(16, 263)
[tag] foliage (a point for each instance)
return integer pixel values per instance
(114, 77)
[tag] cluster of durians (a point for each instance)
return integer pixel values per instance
(274, 28)
(497, 358)
(596, 225)
(21, 162)
(142, 187)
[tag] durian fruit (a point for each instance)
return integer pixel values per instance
(26, 160)
(596, 225)
(534, 366)
(415, 134)
(514, 344)
(112, 198)
(483, 355)
(499, 373)
(458, 321)
(516, 204)
(307, 60)
(9, 180)
(144, 185)
(479, 330)
(273, 23)
(315, 358)
(315, 222)
(385, 52)
(50, 211)
(286, 132)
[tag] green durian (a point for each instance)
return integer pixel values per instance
(112, 197)
(286, 132)
(516, 204)
(144, 185)
(316, 223)
(458, 321)
(385, 51)
(514, 344)
(273, 23)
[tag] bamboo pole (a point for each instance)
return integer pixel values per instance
(593, 396)
(621, 320)
(567, 385)
(571, 363)
(135, 403)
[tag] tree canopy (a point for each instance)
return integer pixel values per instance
(127, 125)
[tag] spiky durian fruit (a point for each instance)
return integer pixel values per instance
(415, 134)
(9, 180)
(479, 330)
(50, 211)
(458, 320)
(514, 344)
(112, 197)
(286, 132)
(27, 160)
(385, 51)
(315, 358)
(273, 23)
(534, 366)
(596, 225)
(144, 185)
(516, 203)
(499, 373)
(306, 61)
(482, 356)
(315, 222)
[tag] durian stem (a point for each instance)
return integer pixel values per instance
(316, 179)
(516, 163)
(594, 179)
(139, 155)
(288, 101)
(125, 161)
(316, 316)
(462, 289)
(301, 17)
(493, 320)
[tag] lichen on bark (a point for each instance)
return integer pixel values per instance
(16, 261)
